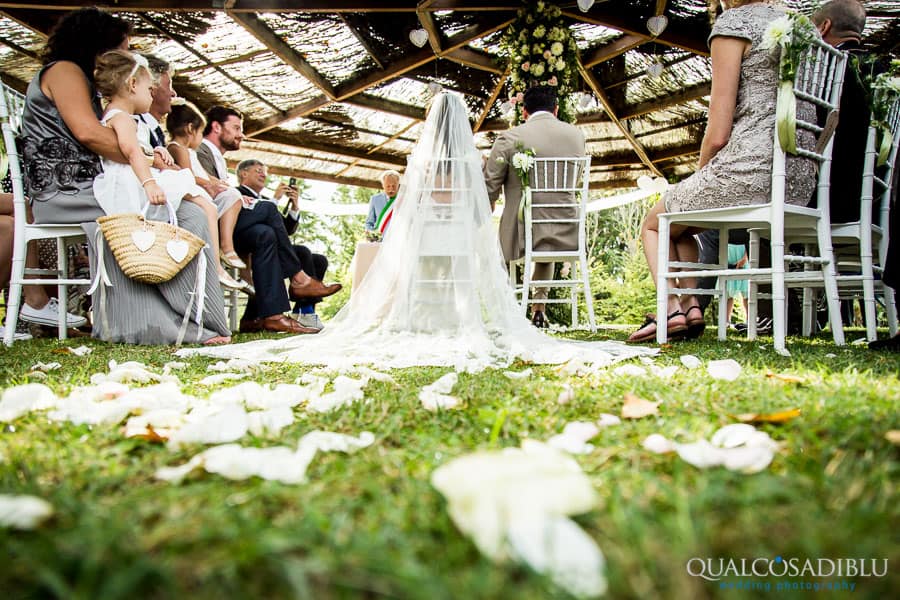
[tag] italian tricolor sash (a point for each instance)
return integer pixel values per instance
(385, 217)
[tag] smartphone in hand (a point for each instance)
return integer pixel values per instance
(292, 182)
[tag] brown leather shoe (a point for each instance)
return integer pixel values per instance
(250, 325)
(313, 288)
(284, 324)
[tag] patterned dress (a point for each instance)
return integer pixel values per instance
(741, 172)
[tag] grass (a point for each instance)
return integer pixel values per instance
(370, 524)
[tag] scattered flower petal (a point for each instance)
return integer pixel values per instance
(80, 351)
(574, 438)
(518, 374)
(45, 367)
(737, 447)
(776, 417)
(23, 512)
(727, 369)
(607, 420)
(629, 371)
(566, 395)
(658, 444)
(346, 391)
(636, 408)
(514, 504)
(690, 361)
(893, 436)
(221, 378)
(214, 426)
(22, 399)
(269, 422)
(664, 372)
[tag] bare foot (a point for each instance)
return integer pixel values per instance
(219, 340)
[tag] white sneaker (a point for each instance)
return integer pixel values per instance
(49, 315)
(17, 336)
(310, 320)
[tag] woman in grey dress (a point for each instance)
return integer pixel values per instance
(735, 165)
(62, 138)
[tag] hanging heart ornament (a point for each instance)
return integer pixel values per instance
(419, 37)
(656, 25)
(177, 249)
(585, 5)
(143, 239)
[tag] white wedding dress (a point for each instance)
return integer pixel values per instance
(438, 293)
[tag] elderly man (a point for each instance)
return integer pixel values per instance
(252, 175)
(260, 232)
(162, 94)
(381, 205)
(548, 136)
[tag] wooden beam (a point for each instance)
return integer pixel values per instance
(613, 49)
(378, 147)
(490, 102)
(476, 60)
(226, 62)
(626, 159)
(303, 174)
(38, 22)
(258, 28)
(20, 49)
(600, 15)
(308, 107)
(387, 106)
(588, 76)
(14, 82)
(363, 41)
(641, 74)
(300, 141)
(271, 6)
(692, 93)
(434, 34)
(159, 27)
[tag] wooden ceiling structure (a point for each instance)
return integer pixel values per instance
(335, 90)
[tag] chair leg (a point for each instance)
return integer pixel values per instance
(778, 292)
(869, 296)
(573, 299)
(809, 299)
(722, 287)
(526, 283)
(831, 290)
(752, 287)
(588, 296)
(62, 293)
(662, 281)
(890, 307)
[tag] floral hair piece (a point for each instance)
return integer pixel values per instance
(139, 61)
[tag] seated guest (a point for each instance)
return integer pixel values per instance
(735, 165)
(162, 94)
(548, 136)
(252, 175)
(63, 142)
(841, 23)
(260, 232)
(381, 205)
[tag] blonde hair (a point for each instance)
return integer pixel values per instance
(114, 69)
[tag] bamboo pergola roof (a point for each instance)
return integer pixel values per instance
(335, 90)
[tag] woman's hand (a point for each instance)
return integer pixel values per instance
(154, 193)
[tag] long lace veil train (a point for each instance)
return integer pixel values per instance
(438, 292)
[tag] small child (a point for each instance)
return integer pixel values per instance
(185, 124)
(124, 80)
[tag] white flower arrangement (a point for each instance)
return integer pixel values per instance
(791, 35)
(541, 51)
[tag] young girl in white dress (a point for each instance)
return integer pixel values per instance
(185, 124)
(124, 80)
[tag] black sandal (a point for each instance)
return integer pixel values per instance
(695, 327)
(672, 333)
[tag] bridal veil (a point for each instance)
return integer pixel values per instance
(438, 292)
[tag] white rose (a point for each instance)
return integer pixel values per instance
(556, 49)
(538, 69)
(778, 33)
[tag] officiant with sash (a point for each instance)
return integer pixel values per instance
(381, 209)
(547, 136)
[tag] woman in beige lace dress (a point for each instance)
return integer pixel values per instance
(736, 154)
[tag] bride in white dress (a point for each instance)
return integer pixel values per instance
(438, 293)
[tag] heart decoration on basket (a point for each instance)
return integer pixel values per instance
(149, 251)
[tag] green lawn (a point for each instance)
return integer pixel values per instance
(370, 524)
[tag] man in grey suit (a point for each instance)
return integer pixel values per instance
(548, 137)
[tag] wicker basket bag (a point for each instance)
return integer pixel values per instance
(149, 251)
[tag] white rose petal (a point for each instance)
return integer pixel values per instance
(23, 512)
(727, 369)
(658, 444)
(690, 361)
